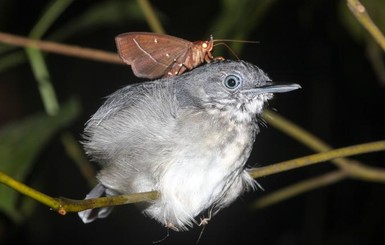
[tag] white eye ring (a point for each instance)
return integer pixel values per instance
(232, 82)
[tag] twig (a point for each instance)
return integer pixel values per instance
(295, 131)
(359, 11)
(71, 205)
(64, 205)
(28, 191)
(69, 50)
(302, 136)
(311, 141)
(356, 170)
(296, 189)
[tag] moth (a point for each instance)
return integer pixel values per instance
(152, 55)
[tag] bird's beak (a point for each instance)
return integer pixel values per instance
(273, 88)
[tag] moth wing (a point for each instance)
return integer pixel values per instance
(151, 55)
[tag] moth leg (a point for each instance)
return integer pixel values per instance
(219, 58)
(182, 69)
(176, 69)
(209, 57)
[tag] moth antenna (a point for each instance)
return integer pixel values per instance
(223, 42)
(235, 41)
(228, 47)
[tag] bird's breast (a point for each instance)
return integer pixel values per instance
(208, 158)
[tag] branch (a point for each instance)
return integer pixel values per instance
(301, 187)
(68, 50)
(302, 136)
(350, 168)
(357, 170)
(64, 205)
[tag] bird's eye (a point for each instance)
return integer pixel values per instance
(232, 82)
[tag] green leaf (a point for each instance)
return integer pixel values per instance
(20, 144)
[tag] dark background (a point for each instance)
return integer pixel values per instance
(313, 43)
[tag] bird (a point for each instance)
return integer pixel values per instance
(188, 137)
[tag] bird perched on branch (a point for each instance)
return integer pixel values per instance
(187, 137)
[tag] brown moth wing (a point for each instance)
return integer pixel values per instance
(151, 55)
